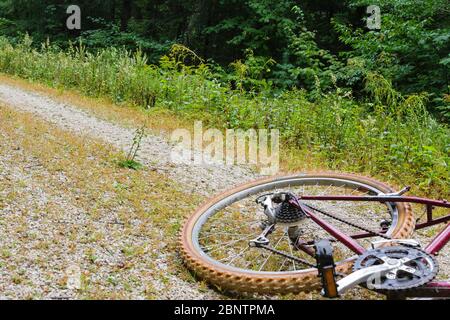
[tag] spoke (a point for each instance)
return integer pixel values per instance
(424, 212)
(233, 220)
(358, 204)
(282, 265)
(354, 191)
(342, 204)
(292, 253)
(227, 244)
(349, 223)
(325, 191)
(268, 257)
(210, 234)
(237, 255)
(255, 259)
(238, 218)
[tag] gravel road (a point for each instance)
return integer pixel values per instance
(155, 151)
(199, 179)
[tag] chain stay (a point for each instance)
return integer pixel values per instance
(304, 262)
(349, 223)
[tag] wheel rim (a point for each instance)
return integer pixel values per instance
(229, 262)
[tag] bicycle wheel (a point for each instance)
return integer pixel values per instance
(215, 239)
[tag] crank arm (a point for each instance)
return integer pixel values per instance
(365, 274)
(408, 242)
(361, 276)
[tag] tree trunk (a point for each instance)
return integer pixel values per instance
(206, 42)
(112, 12)
(126, 14)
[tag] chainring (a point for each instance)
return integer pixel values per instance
(423, 265)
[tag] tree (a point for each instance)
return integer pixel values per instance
(125, 14)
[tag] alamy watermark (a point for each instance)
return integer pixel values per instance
(73, 275)
(260, 147)
(73, 22)
(374, 20)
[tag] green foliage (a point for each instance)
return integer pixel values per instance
(411, 49)
(130, 161)
(391, 135)
(262, 45)
(249, 75)
(130, 164)
(109, 35)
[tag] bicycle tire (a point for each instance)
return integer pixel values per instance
(287, 282)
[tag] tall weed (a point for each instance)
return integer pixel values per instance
(390, 136)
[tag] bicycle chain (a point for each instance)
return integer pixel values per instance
(281, 253)
(349, 223)
(423, 282)
(304, 262)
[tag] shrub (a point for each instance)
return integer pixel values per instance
(390, 136)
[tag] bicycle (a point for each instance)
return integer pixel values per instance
(308, 232)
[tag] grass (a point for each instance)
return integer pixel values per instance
(85, 214)
(159, 120)
(392, 137)
(97, 208)
(400, 144)
(130, 164)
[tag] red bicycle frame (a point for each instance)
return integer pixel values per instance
(432, 289)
